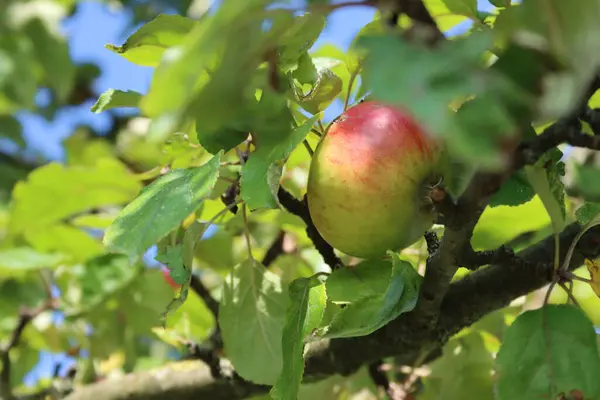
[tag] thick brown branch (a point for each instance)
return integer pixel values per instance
(472, 260)
(467, 300)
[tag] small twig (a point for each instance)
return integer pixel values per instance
(208, 355)
(202, 291)
(229, 196)
(25, 317)
(380, 379)
(300, 209)
(247, 231)
(275, 250)
(569, 292)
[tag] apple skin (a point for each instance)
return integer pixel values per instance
(369, 179)
(168, 279)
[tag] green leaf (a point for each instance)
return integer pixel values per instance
(222, 139)
(587, 212)
(425, 82)
(555, 350)
(19, 260)
(307, 306)
(516, 191)
(173, 259)
(463, 372)
(53, 54)
(501, 224)
(500, 3)
(147, 45)
(268, 159)
(457, 175)
(89, 285)
(467, 8)
(54, 192)
(544, 177)
(560, 38)
(299, 38)
(587, 178)
(18, 85)
(114, 98)
(368, 314)
(10, 128)
(325, 89)
(66, 239)
(192, 320)
(444, 18)
(228, 43)
(252, 316)
(355, 56)
(368, 278)
(161, 207)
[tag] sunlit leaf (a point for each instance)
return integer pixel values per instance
(544, 177)
(114, 98)
(19, 260)
(55, 191)
(307, 305)
(147, 45)
(555, 350)
(252, 318)
(160, 208)
(272, 152)
(368, 314)
(53, 54)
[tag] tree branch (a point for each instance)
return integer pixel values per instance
(300, 209)
(467, 300)
(472, 260)
(275, 250)
(202, 291)
(25, 317)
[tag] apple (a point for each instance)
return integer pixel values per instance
(168, 279)
(370, 178)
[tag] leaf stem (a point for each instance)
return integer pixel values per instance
(247, 231)
(322, 127)
(350, 85)
(220, 214)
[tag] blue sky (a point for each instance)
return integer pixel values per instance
(88, 31)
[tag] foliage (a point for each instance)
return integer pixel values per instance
(208, 197)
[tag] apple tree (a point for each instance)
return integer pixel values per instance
(437, 239)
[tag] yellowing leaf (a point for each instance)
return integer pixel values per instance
(593, 268)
